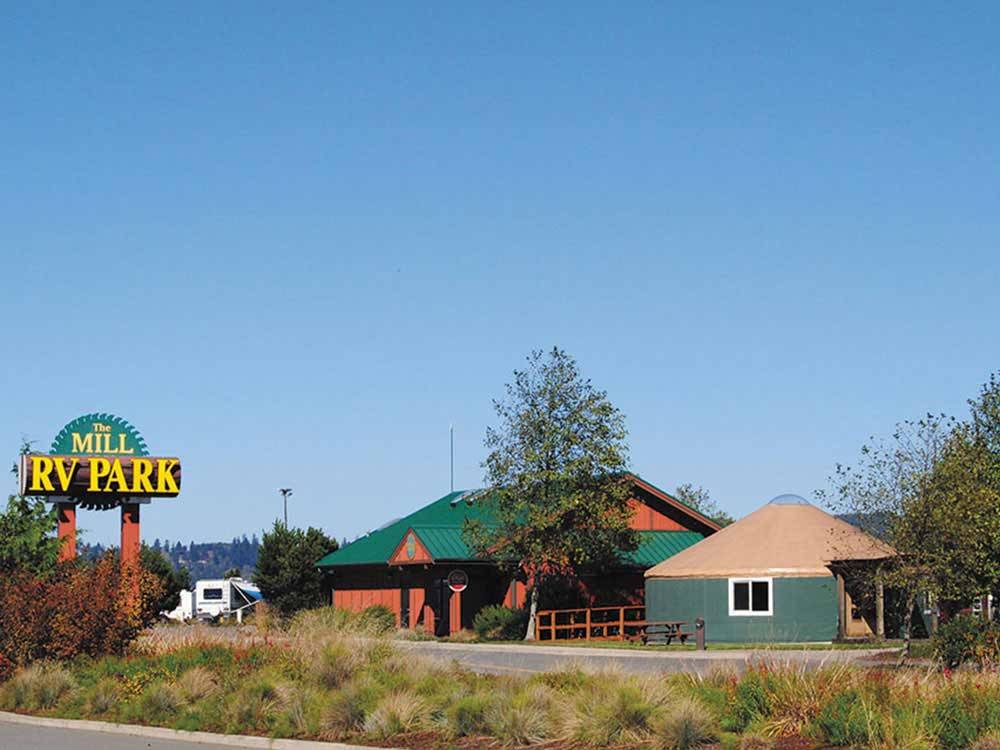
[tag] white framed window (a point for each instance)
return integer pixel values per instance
(751, 597)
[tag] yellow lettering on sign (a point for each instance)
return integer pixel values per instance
(164, 479)
(99, 468)
(116, 476)
(83, 443)
(142, 468)
(41, 467)
(121, 445)
(65, 475)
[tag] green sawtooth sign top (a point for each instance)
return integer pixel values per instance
(81, 436)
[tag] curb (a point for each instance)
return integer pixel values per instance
(162, 733)
(427, 647)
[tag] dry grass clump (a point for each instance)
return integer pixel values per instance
(467, 714)
(254, 706)
(347, 708)
(104, 696)
(196, 684)
(686, 725)
(40, 686)
(523, 716)
(610, 714)
(160, 699)
(338, 662)
(989, 741)
(756, 742)
(397, 713)
(165, 639)
(294, 702)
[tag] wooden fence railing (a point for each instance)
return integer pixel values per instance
(594, 624)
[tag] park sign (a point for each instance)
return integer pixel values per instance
(99, 459)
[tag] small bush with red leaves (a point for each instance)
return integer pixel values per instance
(81, 609)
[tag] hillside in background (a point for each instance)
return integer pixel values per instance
(202, 559)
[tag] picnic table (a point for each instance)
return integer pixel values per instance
(665, 631)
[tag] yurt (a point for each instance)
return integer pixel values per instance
(784, 573)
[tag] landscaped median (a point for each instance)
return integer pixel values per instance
(333, 676)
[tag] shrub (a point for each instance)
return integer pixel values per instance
(959, 640)
(523, 718)
(81, 610)
(849, 719)
(497, 623)
(377, 619)
(467, 715)
(750, 701)
(685, 726)
(396, 713)
(955, 721)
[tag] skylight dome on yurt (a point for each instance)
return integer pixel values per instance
(790, 500)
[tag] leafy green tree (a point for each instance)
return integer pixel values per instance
(286, 567)
(699, 499)
(926, 491)
(27, 533)
(556, 465)
(172, 580)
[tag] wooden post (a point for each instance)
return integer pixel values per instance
(429, 625)
(67, 530)
(588, 624)
(621, 624)
(841, 608)
(131, 539)
(880, 609)
(455, 612)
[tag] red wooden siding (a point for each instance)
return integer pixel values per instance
(647, 518)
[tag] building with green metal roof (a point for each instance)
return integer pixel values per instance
(406, 564)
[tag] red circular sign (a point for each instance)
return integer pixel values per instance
(458, 581)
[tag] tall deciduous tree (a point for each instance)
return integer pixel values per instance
(699, 499)
(557, 457)
(286, 567)
(925, 491)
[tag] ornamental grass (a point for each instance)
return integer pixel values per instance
(333, 676)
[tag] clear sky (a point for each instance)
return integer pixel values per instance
(293, 242)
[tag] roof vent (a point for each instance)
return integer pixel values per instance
(470, 496)
(789, 500)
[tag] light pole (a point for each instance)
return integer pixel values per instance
(285, 492)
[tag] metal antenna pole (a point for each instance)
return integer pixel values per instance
(451, 437)
(285, 492)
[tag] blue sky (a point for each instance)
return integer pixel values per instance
(293, 244)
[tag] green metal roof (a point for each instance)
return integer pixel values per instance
(439, 526)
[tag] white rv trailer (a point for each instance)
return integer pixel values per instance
(223, 597)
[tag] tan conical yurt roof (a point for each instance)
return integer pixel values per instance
(788, 537)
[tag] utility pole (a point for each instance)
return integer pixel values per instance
(285, 492)
(451, 438)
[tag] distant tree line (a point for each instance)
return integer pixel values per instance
(201, 559)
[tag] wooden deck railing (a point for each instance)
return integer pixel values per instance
(594, 624)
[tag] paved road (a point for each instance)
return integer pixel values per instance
(25, 737)
(513, 659)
